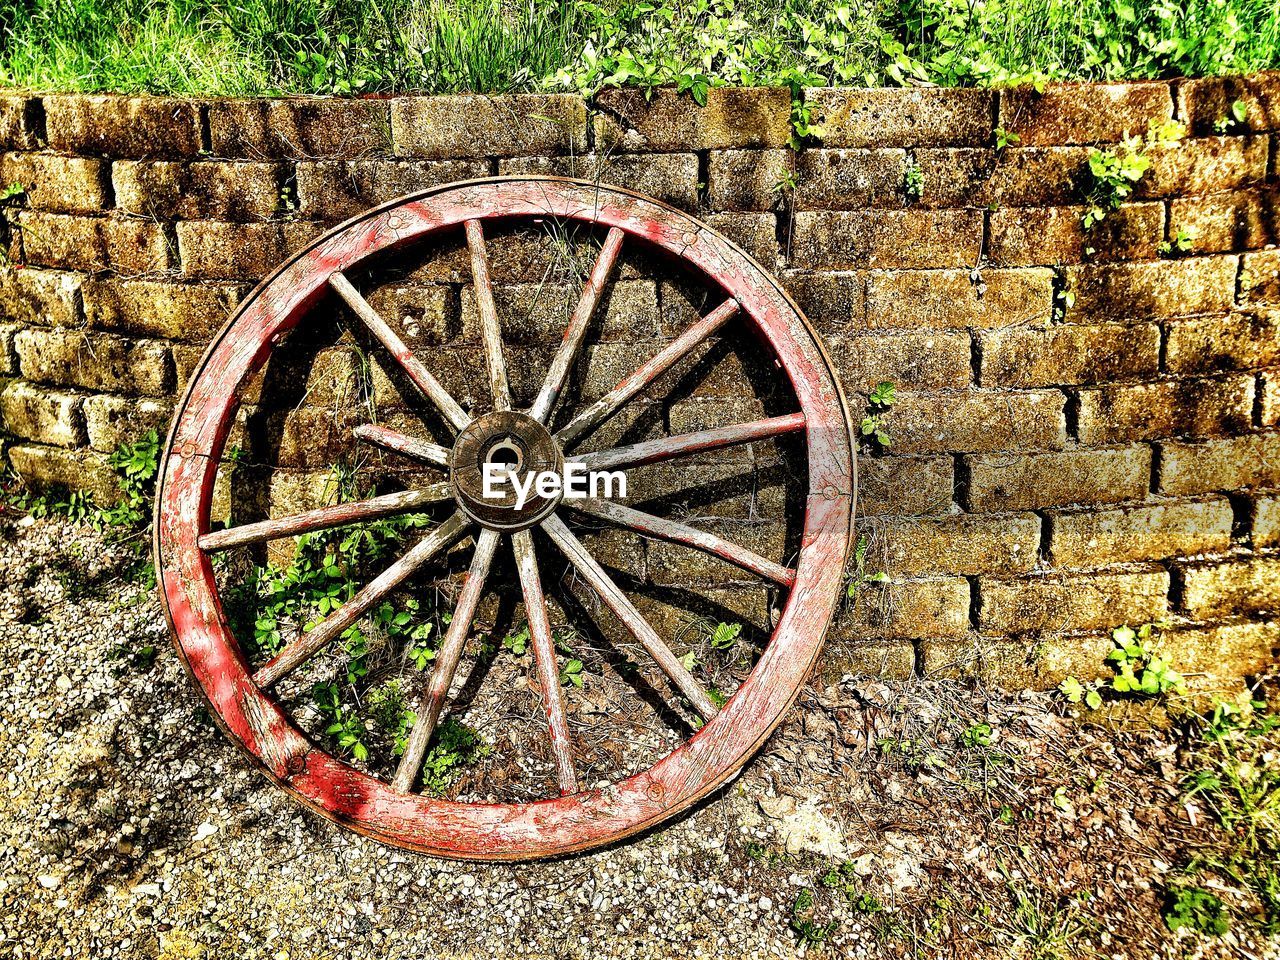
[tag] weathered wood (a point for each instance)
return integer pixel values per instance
(490, 329)
(669, 530)
(625, 611)
(419, 375)
(411, 447)
(594, 415)
(687, 444)
(544, 655)
(305, 647)
(326, 518)
(359, 801)
(576, 331)
(431, 702)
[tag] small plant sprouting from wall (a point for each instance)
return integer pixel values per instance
(1140, 670)
(1116, 171)
(874, 427)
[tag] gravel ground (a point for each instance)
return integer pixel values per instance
(130, 828)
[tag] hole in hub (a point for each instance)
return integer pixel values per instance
(505, 453)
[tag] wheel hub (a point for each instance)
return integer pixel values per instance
(504, 441)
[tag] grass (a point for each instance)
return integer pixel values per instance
(201, 47)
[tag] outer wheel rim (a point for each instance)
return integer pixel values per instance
(501, 831)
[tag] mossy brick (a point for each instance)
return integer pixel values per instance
(932, 359)
(1120, 413)
(748, 179)
(846, 656)
(8, 355)
(960, 545)
(295, 491)
(1269, 398)
(1204, 102)
(1264, 526)
(338, 189)
(1056, 235)
(54, 468)
(212, 250)
(304, 437)
(299, 128)
(756, 233)
(94, 361)
(90, 243)
(673, 565)
(1057, 603)
(675, 612)
(903, 239)
(479, 126)
(672, 178)
(112, 421)
(843, 179)
(1222, 465)
(58, 184)
(832, 302)
(45, 416)
(901, 117)
(628, 311)
(1192, 167)
(1231, 588)
(18, 121)
(1075, 113)
(122, 127)
(1260, 277)
(428, 314)
(710, 491)
(1002, 481)
(212, 190)
(943, 299)
(663, 121)
(1216, 657)
(1068, 354)
(903, 486)
(693, 414)
(1225, 222)
(185, 358)
(1014, 177)
(907, 609)
(1163, 288)
(1238, 341)
(160, 308)
(1013, 664)
(970, 421)
(1158, 531)
(33, 297)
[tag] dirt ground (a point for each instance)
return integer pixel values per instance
(917, 819)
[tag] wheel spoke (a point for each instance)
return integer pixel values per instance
(577, 329)
(325, 518)
(544, 655)
(592, 416)
(685, 444)
(670, 530)
(625, 611)
(412, 366)
(490, 331)
(432, 700)
(411, 447)
(306, 646)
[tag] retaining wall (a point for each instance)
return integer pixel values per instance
(1088, 428)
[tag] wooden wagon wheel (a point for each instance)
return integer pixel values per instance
(241, 694)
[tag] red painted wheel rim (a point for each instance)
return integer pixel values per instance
(558, 825)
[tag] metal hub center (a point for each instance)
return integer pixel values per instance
(510, 442)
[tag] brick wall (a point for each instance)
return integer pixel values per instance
(1082, 439)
